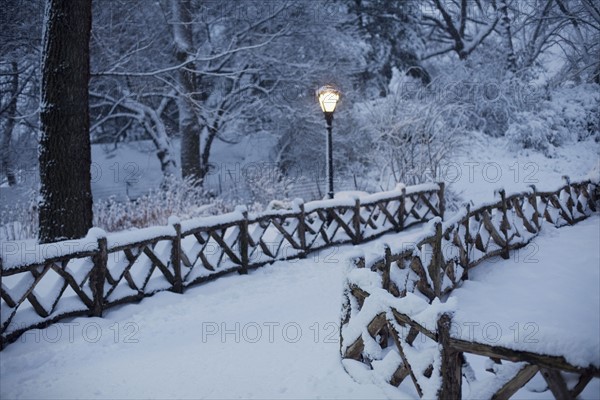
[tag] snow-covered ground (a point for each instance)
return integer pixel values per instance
(544, 293)
(545, 299)
(487, 164)
(271, 334)
(132, 169)
(482, 166)
(275, 332)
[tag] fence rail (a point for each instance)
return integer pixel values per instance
(374, 318)
(42, 284)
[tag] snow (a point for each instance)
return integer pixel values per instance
(118, 239)
(133, 168)
(273, 333)
(128, 171)
(350, 194)
(166, 345)
(19, 253)
(489, 163)
(204, 222)
(329, 203)
(545, 298)
(422, 187)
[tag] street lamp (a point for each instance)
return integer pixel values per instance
(328, 97)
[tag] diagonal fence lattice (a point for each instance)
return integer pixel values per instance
(42, 284)
(383, 296)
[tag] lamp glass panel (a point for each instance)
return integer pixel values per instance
(328, 100)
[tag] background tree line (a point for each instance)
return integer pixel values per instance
(414, 74)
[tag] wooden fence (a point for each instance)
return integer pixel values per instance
(42, 284)
(373, 319)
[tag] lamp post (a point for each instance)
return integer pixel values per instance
(328, 97)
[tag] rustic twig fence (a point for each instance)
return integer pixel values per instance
(435, 266)
(42, 284)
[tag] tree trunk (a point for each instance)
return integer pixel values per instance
(11, 113)
(511, 58)
(189, 127)
(64, 151)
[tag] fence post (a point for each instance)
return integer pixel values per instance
(360, 262)
(451, 365)
(442, 200)
(594, 194)
(1, 327)
(98, 276)
(468, 239)
(533, 201)
(402, 210)
(570, 204)
(504, 226)
(387, 267)
(301, 226)
(356, 222)
(244, 242)
(435, 271)
(176, 255)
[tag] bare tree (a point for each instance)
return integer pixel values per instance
(391, 28)
(233, 76)
(20, 40)
(127, 107)
(458, 29)
(411, 138)
(211, 77)
(570, 26)
(584, 18)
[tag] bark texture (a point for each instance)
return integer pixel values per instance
(189, 128)
(64, 152)
(11, 113)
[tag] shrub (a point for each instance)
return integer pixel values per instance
(576, 111)
(412, 134)
(571, 114)
(530, 131)
(176, 197)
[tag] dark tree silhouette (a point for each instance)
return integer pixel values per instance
(64, 151)
(11, 113)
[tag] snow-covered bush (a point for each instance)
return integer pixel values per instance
(576, 110)
(176, 197)
(571, 114)
(489, 95)
(269, 184)
(412, 134)
(530, 131)
(19, 220)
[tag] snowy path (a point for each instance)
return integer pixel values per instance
(270, 334)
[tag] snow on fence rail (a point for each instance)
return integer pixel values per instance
(399, 296)
(41, 284)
